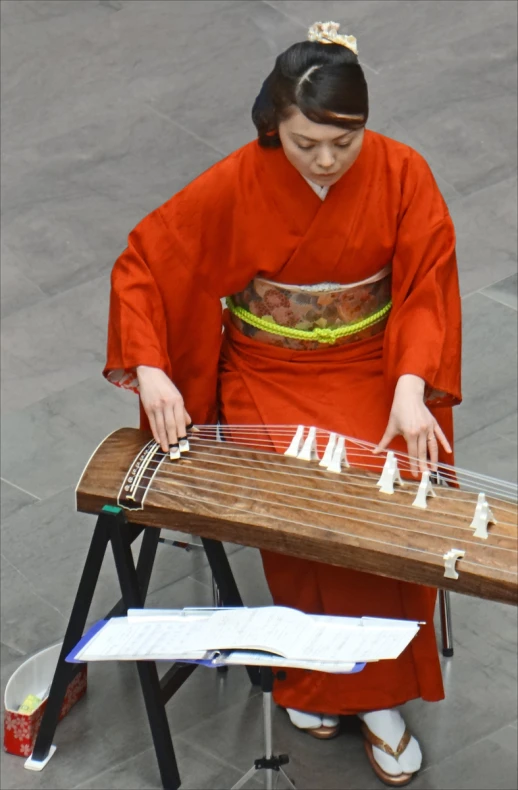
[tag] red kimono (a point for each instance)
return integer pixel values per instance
(253, 214)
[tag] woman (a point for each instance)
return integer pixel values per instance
(319, 222)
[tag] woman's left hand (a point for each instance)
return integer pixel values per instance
(410, 418)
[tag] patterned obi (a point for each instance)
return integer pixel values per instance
(304, 317)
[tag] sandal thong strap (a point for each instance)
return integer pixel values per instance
(324, 732)
(381, 744)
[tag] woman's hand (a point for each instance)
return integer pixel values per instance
(410, 418)
(163, 405)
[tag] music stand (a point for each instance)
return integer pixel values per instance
(268, 762)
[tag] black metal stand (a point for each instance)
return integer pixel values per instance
(444, 595)
(270, 763)
(112, 527)
(226, 585)
(446, 626)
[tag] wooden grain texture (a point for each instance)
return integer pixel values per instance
(270, 501)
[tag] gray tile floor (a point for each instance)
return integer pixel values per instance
(109, 107)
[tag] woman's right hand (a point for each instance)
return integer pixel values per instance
(163, 405)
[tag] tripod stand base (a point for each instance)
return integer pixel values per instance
(272, 776)
(269, 763)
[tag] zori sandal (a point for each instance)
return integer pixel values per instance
(370, 740)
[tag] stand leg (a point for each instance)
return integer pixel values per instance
(287, 779)
(216, 601)
(268, 737)
(147, 670)
(222, 572)
(270, 764)
(244, 779)
(145, 563)
(226, 585)
(76, 625)
(446, 625)
(112, 526)
(216, 597)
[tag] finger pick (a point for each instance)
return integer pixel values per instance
(183, 442)
(174, 452)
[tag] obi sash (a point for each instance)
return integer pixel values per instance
(305, 317)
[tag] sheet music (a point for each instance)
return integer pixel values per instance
(145, 634)
(251, 658)
(121, 639)
(291, 634)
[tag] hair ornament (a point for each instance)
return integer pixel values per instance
(327, 33)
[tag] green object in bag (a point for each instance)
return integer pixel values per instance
(30, 703)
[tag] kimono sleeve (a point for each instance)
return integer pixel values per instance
(137, 333)
(424, 331)
(165, 308)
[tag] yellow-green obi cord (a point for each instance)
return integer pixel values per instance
(318, 334)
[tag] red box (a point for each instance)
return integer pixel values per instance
(34, 676)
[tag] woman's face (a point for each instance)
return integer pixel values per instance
(320, 153)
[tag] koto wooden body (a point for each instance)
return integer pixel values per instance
(269, 501)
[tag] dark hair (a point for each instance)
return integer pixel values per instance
(336, 85)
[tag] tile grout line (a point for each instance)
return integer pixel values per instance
(105, 194)
(481, 293)
(468, 296)
(176, 737)
(37, 498)
(65, 196)
(20, 654)
(490, 285)
(11, 411)
(42, 19)
(31, 282)
(181, 579)
(506, 180)
(113, 767)
(506, 438)
(493, 298)
(501, 280)
(185, 129)
(208, 753)
(51, 297)
(484, 427)
(430, 159)
(252, 695)
(301, 24)
(31, 587)
(467, 746)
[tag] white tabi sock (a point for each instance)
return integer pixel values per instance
(330, 721)
(309, 721)
(389, 725)
(303, 720)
